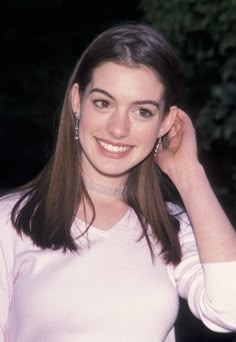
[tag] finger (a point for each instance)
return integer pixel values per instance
(174, 131)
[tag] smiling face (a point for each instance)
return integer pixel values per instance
(121, 117)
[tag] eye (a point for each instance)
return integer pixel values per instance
(101, 103)
(144, 112)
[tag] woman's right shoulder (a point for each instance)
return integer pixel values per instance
(9, 236)
(11, 241)
(7, 203)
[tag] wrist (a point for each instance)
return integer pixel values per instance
(191, 176)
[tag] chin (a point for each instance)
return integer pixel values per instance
(110, 172)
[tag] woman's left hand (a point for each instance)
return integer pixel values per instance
(181, 153)
(180, 162)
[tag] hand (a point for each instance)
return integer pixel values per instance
(181, 154)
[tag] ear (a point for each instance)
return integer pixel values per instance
(168, 121)
(75, 98)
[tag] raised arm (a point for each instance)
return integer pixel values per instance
(215, 236)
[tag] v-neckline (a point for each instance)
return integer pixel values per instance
(109, 231)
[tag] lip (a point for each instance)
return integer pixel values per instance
(111, 153)
(118, 144)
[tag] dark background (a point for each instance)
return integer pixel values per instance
(40, 43)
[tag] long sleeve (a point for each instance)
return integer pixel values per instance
(210, 288)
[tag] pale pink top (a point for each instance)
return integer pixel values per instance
(108, 292)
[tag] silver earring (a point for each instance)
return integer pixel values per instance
(76, 126)
(157, 147)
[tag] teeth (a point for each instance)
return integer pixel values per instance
(113, 148)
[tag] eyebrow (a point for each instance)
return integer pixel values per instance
(101, 91)
(151, 102)
(104, 92)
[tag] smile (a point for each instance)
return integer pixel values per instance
(113, 148)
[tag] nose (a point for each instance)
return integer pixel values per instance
(118, 125)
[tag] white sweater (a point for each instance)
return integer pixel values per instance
(108, 292)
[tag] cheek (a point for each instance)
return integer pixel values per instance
(149, 135)
(88, 121)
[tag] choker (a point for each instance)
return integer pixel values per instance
(103, 189)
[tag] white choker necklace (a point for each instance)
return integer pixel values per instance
(104, 189)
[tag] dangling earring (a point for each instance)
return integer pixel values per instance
(157, 147)
(76, 126)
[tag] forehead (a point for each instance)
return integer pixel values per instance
(133, 80)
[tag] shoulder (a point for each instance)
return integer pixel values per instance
(186, 233)
(7, 203)
(8, 234)
(179, 213)
(10, 239)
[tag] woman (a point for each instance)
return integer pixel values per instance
(93, 249)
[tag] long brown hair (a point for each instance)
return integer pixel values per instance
(48, 204)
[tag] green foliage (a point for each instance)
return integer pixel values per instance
(204, 32)
(217, 119)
